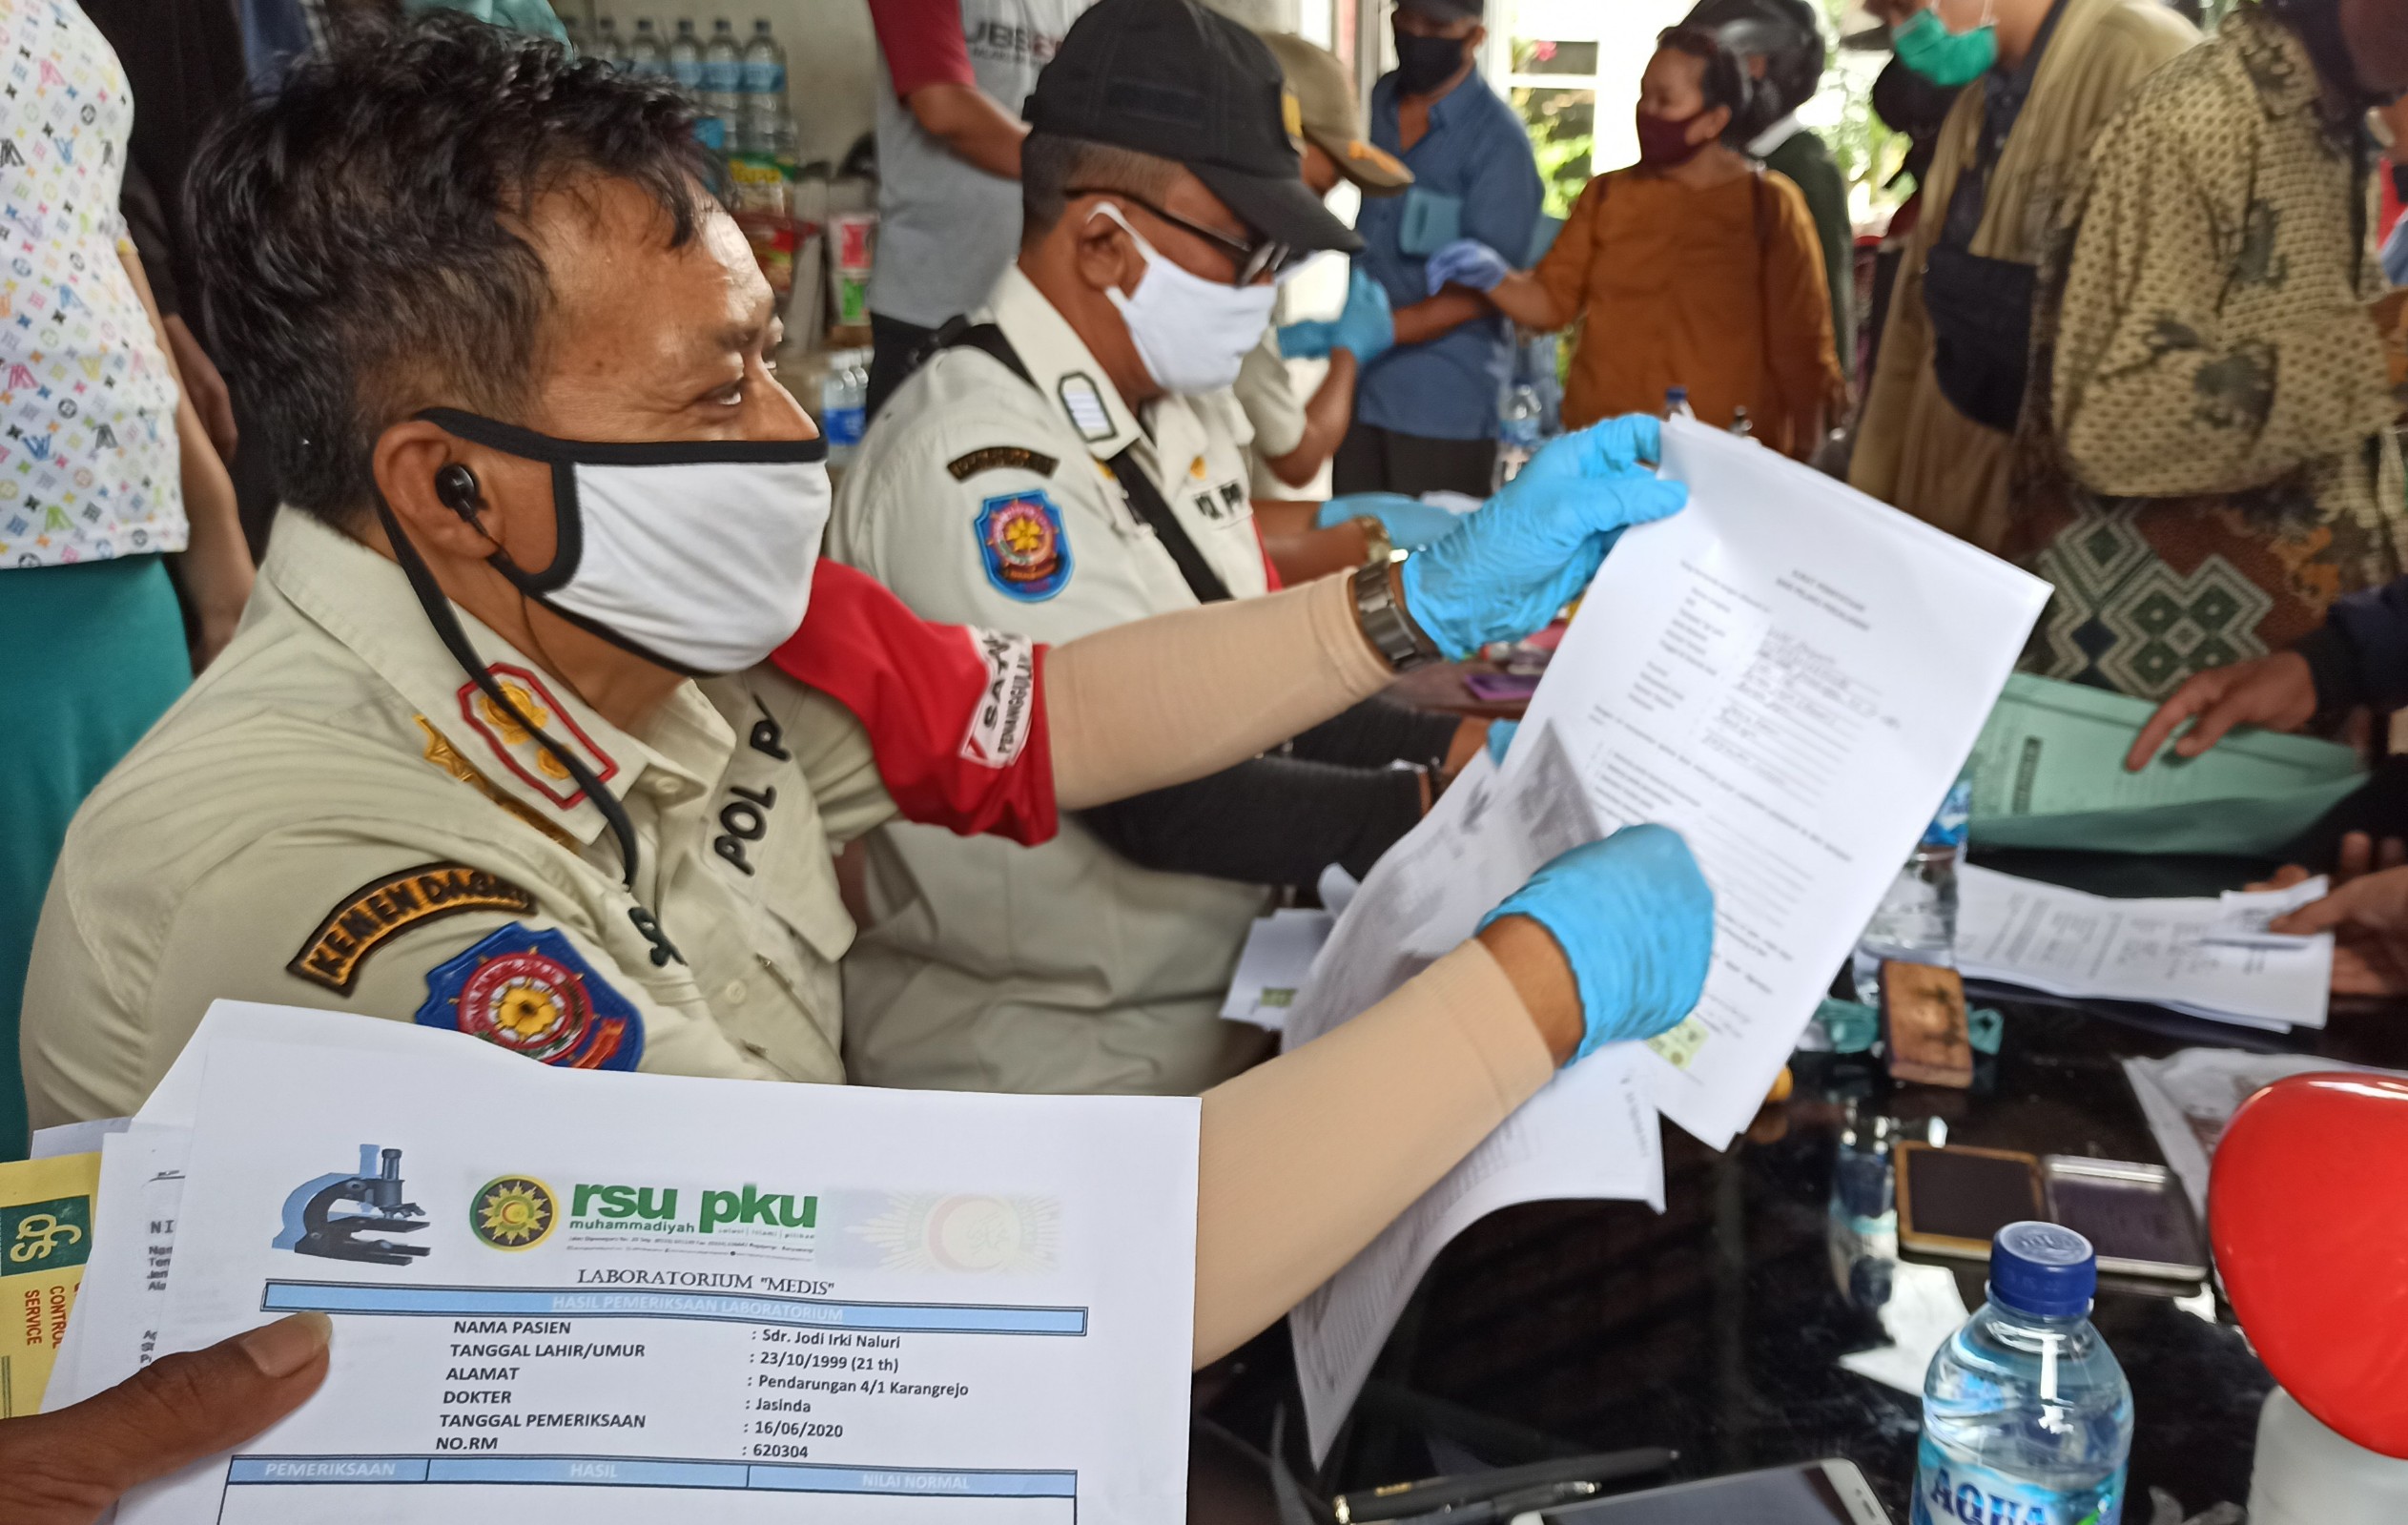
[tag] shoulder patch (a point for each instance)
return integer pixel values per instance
(1001, 458)
(1084, 401)
(1021, 543)
(534, 994)
(517, 749)
(999, 724)
(382, 909)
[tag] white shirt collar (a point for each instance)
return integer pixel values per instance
(1061, 365)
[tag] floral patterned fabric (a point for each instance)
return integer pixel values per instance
(89, 460)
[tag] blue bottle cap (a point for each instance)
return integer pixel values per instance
(2044, 1269)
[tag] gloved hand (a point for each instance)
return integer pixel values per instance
(1309, 339)
(1411, 522)
(1634, 919)
(1466, 262)
(1526, 552)
(1364, 326)
(1500, 736)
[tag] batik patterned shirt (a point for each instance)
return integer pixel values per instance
(88, 445)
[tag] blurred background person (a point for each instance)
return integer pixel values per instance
(1693, 268)
(1426, 412)
(949, 134)
(1294, 436)
(2044, 77)
(1782, 45)
(110, 471)
(2394, 187)
(1911, 105)
(2210, 458)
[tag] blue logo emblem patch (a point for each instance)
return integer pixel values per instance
(1021, 540)
(534, 994)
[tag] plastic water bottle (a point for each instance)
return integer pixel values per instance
(580, 45)
(1519, 428)
(723, 74)
(1676, 404)
(1741, 424)
(764, 125)
(685, 59)
(646, 58)
(1917, 920)
(2027, 1417)
(844, 403)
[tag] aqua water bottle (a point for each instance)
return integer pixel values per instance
(2027, 1417)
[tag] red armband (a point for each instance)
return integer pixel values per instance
(956, 715)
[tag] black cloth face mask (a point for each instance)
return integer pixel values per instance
(1424, 63)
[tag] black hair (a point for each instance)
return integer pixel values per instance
(362, 232)
(1782, 32)
(1725, 81)
(1052, 164)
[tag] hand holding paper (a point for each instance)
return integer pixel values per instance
(2277, 691)
(1635, 921)
(1529, 550)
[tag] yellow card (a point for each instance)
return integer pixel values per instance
(45, 1238)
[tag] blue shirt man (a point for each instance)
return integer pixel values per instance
(1425, 415)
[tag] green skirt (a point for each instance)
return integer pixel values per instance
(90, 656)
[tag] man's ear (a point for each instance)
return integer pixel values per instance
(410, 459)
(1104, 254)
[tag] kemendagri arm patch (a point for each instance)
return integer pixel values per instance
(381, 910)
(531, 992)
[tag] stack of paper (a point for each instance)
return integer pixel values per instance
(2200, 956)
(570, 1295)
(1788, 674)
(2189, 1098)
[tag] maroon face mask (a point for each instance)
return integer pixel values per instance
(1663, 144)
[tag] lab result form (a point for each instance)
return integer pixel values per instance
(627, 1298)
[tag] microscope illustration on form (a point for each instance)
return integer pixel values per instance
(339, 1217)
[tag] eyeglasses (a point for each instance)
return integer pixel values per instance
(1254, 261)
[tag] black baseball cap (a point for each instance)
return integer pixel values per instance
(1169, 78)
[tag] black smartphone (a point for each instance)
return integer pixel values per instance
(1952, 1199)
(1814, 1493)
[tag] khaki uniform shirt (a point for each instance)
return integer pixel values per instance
(982, 500)
(335, 817)
(1271, 414)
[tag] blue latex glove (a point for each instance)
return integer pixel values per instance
(1528, 551)
(1411, 522)
(1635, 921)
(1364, 326)
(1308, 341)
(1500, 736)
(1467, 262)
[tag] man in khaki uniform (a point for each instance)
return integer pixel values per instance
(333, 818)
(1042, 476)
(457, 767)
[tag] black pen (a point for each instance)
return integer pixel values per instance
(1506, 1506)
(1398, 1501)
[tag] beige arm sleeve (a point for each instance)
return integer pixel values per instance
(1181, 695)
(1306, 1159)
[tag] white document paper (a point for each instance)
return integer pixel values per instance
(2189, 1097)
(1280, 949)
(645, 1297)
(114, 1328)
(1791, 675)
(2204, 957)
(1591, 1133)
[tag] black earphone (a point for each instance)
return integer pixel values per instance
(456, 489)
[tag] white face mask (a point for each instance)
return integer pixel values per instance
(696, 555)
(1192, 333)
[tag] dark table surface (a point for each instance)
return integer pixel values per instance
(1559, 1327)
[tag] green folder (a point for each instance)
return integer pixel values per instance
(2049, 773)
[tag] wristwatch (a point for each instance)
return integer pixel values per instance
(1378, 551)
(1385, 624)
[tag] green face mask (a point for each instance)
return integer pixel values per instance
(1946, 59)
